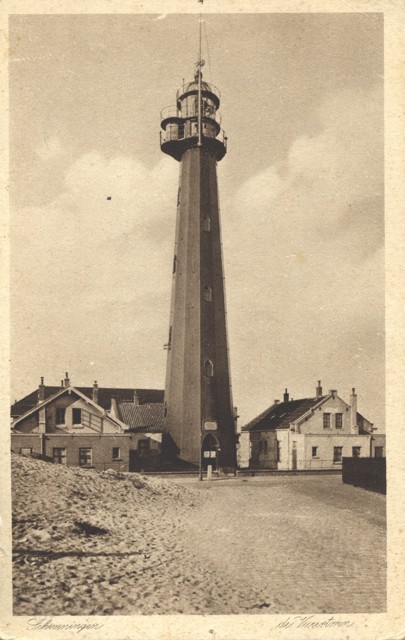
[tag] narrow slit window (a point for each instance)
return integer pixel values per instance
(174, 264)
(207, 294)
(208, 368)
(206, 223)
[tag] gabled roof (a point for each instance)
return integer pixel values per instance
(143, 417)
(282, 414)
(61, 391)
(142, 396)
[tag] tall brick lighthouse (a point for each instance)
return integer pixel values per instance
(199, 412)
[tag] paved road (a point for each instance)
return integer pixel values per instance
(303, 543)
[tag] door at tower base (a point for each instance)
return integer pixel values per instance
(198, 394)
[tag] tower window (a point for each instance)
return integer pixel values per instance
(206, 223)
(207, 294)
(208, 368)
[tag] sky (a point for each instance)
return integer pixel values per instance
(301, 193)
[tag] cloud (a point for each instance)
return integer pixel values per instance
(304, 254)
(50, 148)
(95, 265)
(303, 250)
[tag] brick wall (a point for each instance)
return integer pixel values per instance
(101, 445)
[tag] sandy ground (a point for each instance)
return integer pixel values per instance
(307, 543)
(87, 543)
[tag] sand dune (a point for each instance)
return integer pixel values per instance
(105, 543)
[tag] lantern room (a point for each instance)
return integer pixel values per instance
(193, 121)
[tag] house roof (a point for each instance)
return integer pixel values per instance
(143, 417)
(61, 391)
(142, 396)
(280, 415)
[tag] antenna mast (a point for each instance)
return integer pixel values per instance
(199, 67)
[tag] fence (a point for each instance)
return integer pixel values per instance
(369, 473)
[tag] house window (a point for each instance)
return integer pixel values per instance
(76, 416)
(314, 452)
(337, 454)
(206, 224)
(278, 450)
(379, 452)
(356, 452)
(339, 420)
(85, 456)
(116, 453)
(326, 420)
(208, 369)
(59, 455)
(207, 294)
(60, 415)
(26, 451)
(144, 448)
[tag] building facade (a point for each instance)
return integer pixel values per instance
(311, 433)
(69, 425)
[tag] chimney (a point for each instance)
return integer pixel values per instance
(61, 383)
(41, 391)
(333, 393)
(95, 392)
(319, 390)
(286, 396)
(276, 401)
(354, 428)
(66, 380)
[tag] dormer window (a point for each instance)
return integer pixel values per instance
(76, 416)
(207, 294)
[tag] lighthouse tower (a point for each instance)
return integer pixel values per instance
(199, 416)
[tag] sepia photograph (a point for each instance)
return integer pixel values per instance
(197, 319)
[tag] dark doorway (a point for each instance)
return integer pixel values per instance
(294, 455)
(210, 452)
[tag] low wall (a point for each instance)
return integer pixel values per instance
(369, 473)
